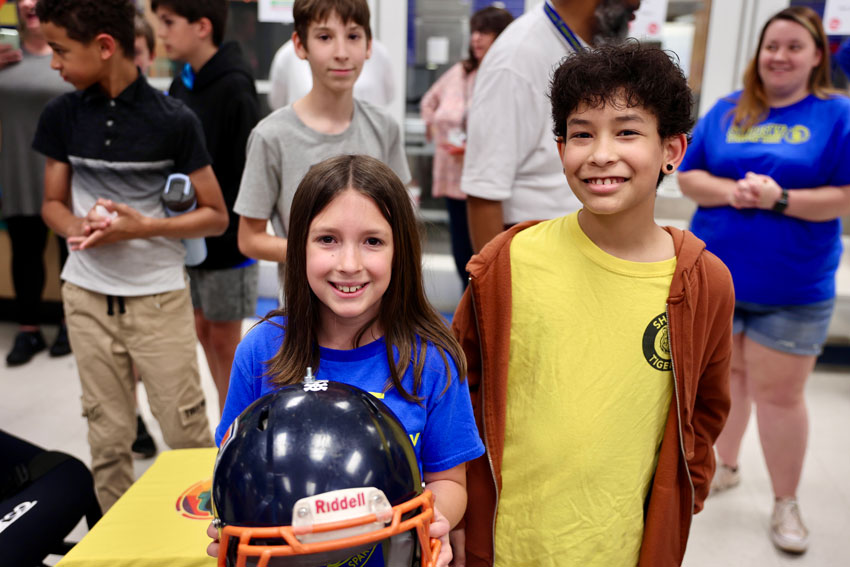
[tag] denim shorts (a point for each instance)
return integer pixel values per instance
(795, 329)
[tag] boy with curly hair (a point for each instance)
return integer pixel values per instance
(602, 331)
(110, 147)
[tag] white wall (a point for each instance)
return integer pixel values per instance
(389, 24)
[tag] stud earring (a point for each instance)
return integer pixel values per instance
(669, 167)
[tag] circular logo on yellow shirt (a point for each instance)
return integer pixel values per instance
(656, 344)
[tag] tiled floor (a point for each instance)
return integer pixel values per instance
(40, 402)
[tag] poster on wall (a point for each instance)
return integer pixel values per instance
(836, 17)
(8, 14)
(649, 20)
(275, 11)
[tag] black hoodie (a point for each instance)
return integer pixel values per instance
(225, 100)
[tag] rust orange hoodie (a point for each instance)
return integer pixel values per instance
(699, 308)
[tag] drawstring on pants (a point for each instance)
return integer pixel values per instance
(109, 310)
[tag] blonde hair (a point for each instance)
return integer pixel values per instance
(752, 106)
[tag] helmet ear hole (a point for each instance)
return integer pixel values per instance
(263, 420)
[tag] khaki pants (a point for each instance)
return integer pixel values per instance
(157, 333)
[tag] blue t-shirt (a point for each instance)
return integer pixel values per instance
(442, 429)
(775, 259)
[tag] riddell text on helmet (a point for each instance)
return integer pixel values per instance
(337, 504)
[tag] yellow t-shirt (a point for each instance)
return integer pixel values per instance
(589, 388)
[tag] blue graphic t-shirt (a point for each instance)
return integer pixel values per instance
(775, 259)
(442, 429)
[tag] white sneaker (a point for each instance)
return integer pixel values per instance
(725, 477)
(787, 530)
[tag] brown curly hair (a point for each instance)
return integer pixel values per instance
(637, 74)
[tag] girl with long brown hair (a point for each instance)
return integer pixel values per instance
(768, 167)
(355, 311)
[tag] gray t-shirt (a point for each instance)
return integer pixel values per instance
(282, 149)
(25, 89)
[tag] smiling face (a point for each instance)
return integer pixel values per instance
(349, 260)
(786, 59)
(26, 14)
(612, 157)
(78, 63)
(336, 51)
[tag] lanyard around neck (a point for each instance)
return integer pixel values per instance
(562, 27)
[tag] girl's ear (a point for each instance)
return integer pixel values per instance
(674, 152)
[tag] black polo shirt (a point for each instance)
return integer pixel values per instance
(139, 125)
(123, 149)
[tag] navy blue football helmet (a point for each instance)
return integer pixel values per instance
(320, 473)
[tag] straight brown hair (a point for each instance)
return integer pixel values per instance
(486, 20)
(752, 106)
(305, 12)
(409, 323)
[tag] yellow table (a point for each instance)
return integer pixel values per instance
(161, 520)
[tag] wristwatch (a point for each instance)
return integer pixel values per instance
(781, 203)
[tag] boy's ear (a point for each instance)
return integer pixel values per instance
(205, 28)
(106, 45)
(300, 47)
(561, 147)
(674, 152)
(369, 48)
